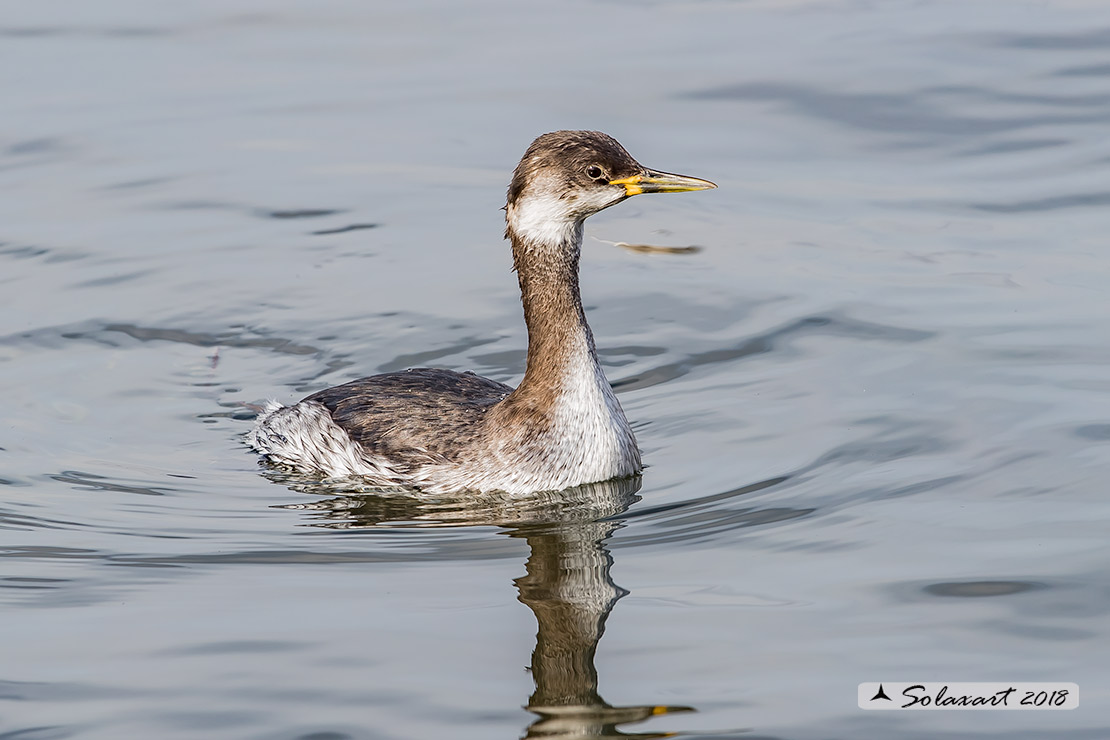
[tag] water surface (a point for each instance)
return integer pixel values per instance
(874, 402)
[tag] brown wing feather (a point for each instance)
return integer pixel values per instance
(413, 414)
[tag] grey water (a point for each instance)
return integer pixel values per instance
(870, 373)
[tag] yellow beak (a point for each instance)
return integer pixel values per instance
(651, 181)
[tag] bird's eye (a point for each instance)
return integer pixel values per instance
(594, 172)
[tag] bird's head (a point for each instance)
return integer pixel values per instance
(566, 176)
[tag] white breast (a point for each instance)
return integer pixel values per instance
(591, 434)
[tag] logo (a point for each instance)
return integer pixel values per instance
(940, 695)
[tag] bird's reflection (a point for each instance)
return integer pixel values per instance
(569, 588)
(567, 585)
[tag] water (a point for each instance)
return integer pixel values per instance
(874, 403)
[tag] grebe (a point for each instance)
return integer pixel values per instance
(439, 431)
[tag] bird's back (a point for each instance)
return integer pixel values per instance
(383, 427)
(436, 411)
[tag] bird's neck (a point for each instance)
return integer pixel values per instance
(564, 410)
(561, 349)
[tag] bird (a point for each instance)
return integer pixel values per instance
(437, 431)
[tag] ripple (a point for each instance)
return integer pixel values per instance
(1052, 203)
(693, 520)
(116, 279)
(23, 32)
(882, 447)
(301, 213)
(837, 326)
(1041, 632)
(704, 501)
(1095, 39)
(41, 145)
(417, 359)
(57, 337)
(1097, 432)
(1090, 70)
(48, 255)
(442, 551)
(33, 584)
(43, 732)
(1009, 147)
(979, 589)
(936, 116)
(35, 151)
(100, 483)
(50, 553)
(13, 521)
(54, 691)
(345, 229)
(917, 112)
(239, 647)
(141, 183)
(711, 524)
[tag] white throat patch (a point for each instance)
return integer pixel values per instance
(543, 219)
